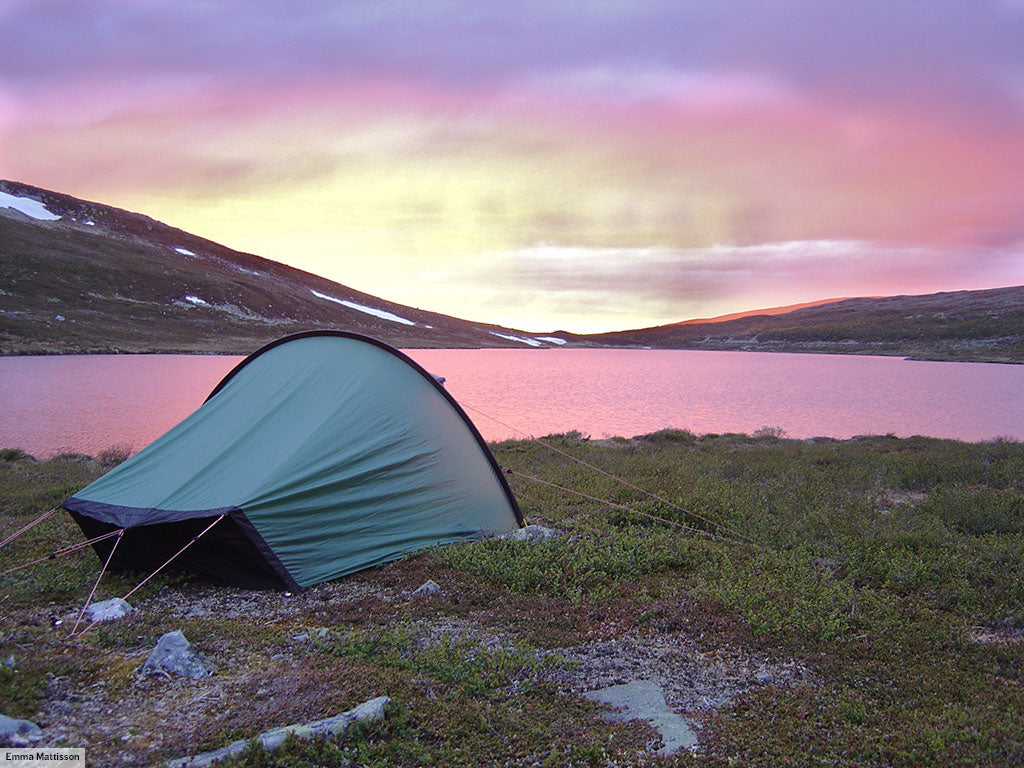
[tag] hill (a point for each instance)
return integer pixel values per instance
(984, 326)
(82, 277)
(79, 276)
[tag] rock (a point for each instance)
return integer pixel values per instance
(174, 655)
(274, 738)
(107, 610)
(310, 633)
(531, 533)
(18, 733)
(428, 587)
(764, 678)
(645, 700)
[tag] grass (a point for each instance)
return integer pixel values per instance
(889, 567)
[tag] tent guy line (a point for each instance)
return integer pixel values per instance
(88, 600)
(62, 551)
(28, 527)
(609, 475)
(709, 534)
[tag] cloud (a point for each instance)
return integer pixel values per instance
(631, 85)
(445, 131)
(944, 50)
(678, 284)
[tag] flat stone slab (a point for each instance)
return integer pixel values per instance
(107, 610)
(530, 533)
(645, 700)
(428, 587)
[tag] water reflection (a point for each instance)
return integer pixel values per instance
(87, 403)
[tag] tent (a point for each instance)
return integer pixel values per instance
(325, 452)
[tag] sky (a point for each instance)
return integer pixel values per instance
(549, 165)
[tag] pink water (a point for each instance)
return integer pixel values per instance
(87, 403)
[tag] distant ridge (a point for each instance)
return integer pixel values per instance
(982, 326)
(768, 311)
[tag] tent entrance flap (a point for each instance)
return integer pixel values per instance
(225, 555)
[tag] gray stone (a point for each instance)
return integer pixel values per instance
(274, 738)
(428, 587)
(644, 700)
(107, 610)
(764, 678)
(174, 655)
(18, 733)
(531, 533)
(311, 633)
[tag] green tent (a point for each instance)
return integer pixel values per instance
(326, 452)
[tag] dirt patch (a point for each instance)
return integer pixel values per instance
(891, 499)
(694, 681)
(270, 673)
(997, 635)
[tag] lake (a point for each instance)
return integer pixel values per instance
(87, 403)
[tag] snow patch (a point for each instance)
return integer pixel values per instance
(520, 339)
(31, 208)
(360, 308)
(551, 339)
(197, 301)
(184, 251)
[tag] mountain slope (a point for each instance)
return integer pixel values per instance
(78, 276)
(986, 325)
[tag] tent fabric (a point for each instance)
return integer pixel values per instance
(327, 451)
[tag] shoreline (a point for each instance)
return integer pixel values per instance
(909, 355)
(117, 452)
